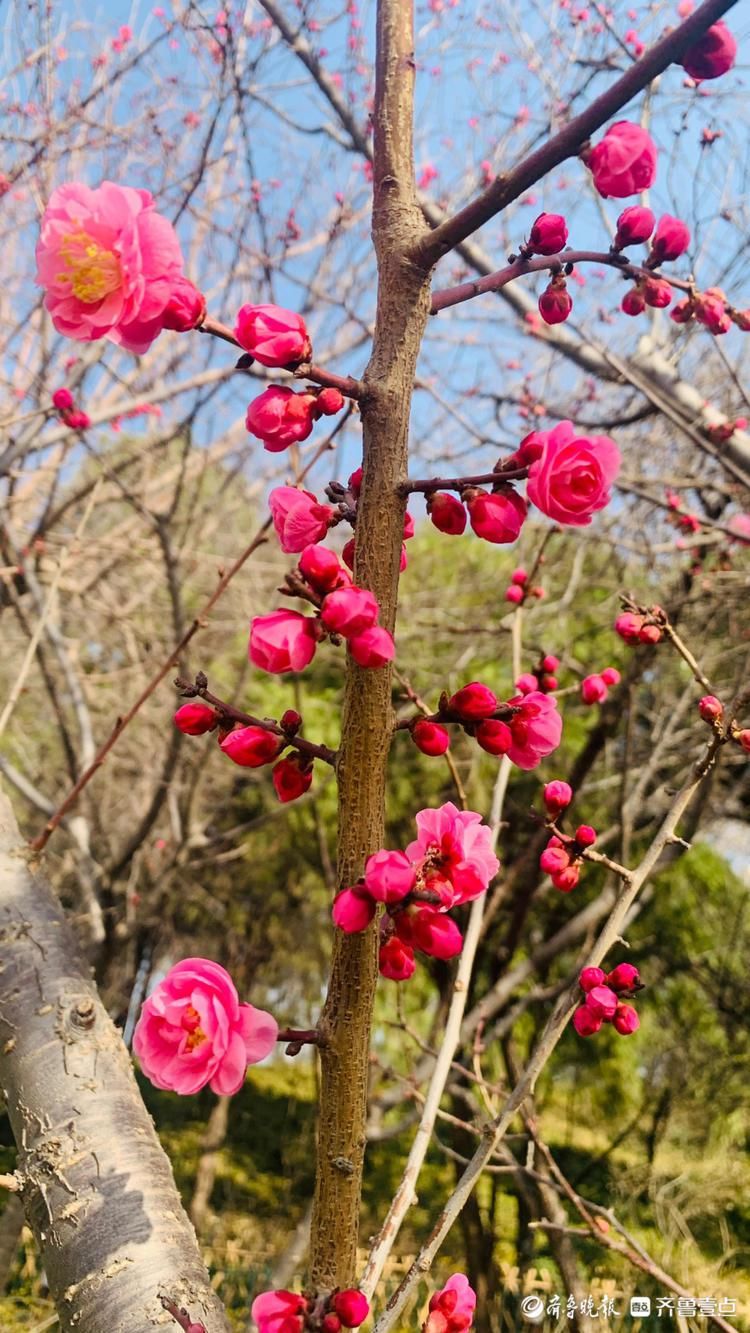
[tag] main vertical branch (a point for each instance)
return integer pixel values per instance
(402, 311)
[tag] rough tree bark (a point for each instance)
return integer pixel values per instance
(402, 311)
(97, 1187)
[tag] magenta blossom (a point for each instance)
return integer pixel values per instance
(279, 1312)
(272, 335)
(283, 641)
(389, 876)
(193, 1031)
(570, 479)
(458, 847)
(280, 417)
(624, 161)
(535, 729)
(452, 1308)
(298, 518)
(108, 263)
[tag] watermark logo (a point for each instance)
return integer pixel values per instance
(639, 1306)
(533, 1308)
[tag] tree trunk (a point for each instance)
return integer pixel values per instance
(97, 1186)
(367, 723)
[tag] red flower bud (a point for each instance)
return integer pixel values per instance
(557, 796)
(567, 879)
(63, 400)
(712, 55)
(430, 738)
(396, 960)
(348, 611)
(585, 1022)
(626, 1020)
(251, 747)
(602, 1002)
(550, 663)
(657, 293)
(322, 569)
(554, 858)
(520, 577)
(272, 335)
(634, 225)
(585, 835)
(611, 676)
(710, 708)
(291, 778)
(497, 517)
(355, 482)
(372, 647)
(590, 977)
(624, 161)
(330, 401)
(623, 977)
(683, 312)
(186, 308)
(549, 234)
(473, 702)
(195, 719)
(291, 721)
(514, 594)
(744, 739)
(280, 417)
(593, 690)
(447, 513)
(494, 737)
(671, 239)
(351, 1306)
(633, 302)
(555, 302)
(649, 634)
(629, 627)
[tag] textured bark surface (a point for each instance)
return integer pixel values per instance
(98, 1189)
(402, 310)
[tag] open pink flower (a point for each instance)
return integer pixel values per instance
(458, 847)
(535, 729)
(193, 1031)
(279, 1312)
(624, 161)
(452, 1309)
(570, 479)
(108, 263)
(298, 518)
(283, 641)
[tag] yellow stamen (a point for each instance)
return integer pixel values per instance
(90, 271)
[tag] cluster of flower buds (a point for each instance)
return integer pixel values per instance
(542, 678)
(452, 1309)
(605, 993)
(281, 416)
(568, 479)
(286, 640)
(279, 339)
(255, 744)
(711, 710)
(563, 855)
(64, 403)
(555, 302)
(642, 626)
(595, 688)
(711, 309)
(450, 863)
(288, 1312)
(520, 589)
(497, 516)
(527, 727)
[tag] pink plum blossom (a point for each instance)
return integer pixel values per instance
(452, 1308)
(298, 519)
(459, 848)
(570, 479)
(624, 161)
(108, 263)
(536, 729)
(282, 641)
(193, 1031)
